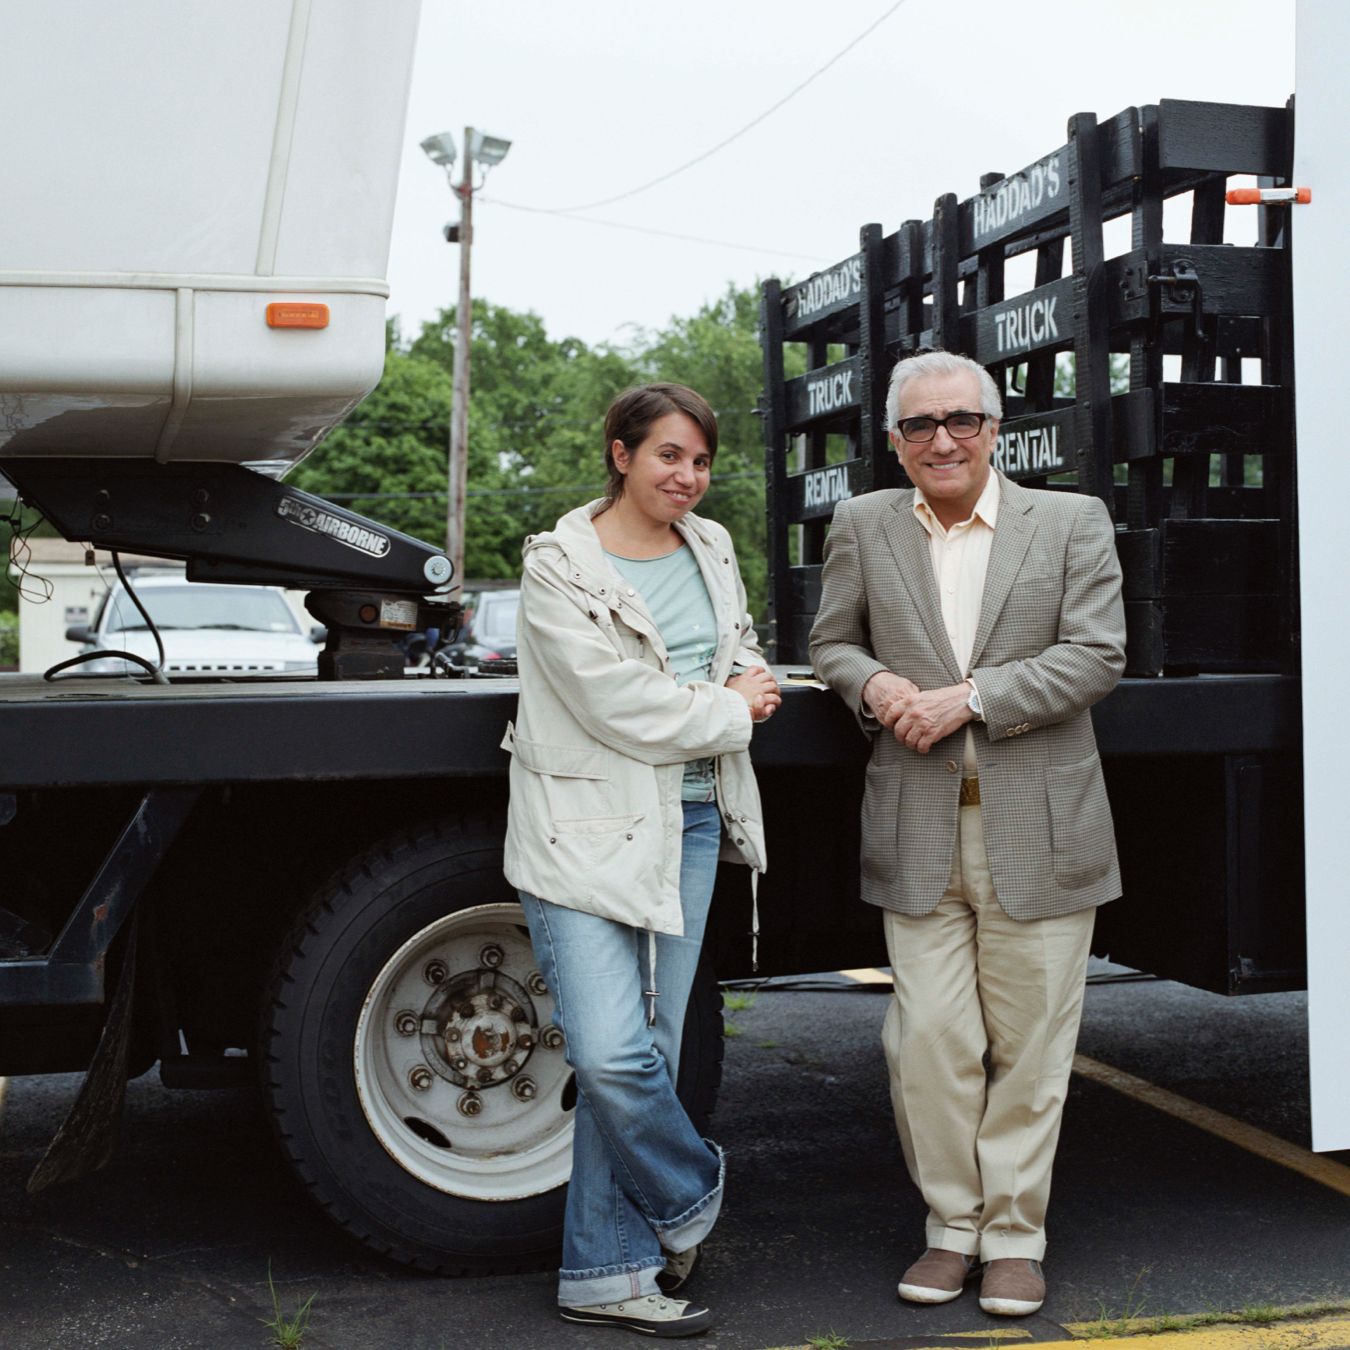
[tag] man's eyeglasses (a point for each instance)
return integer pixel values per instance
(961, 426)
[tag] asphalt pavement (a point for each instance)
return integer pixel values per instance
(171, 1245)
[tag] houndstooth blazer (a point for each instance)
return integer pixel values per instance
(1050, 643)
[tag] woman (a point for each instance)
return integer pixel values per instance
(640, 680)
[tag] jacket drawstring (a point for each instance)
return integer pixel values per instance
(650, 994)
(754, 920)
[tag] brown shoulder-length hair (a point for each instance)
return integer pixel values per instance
(629, 420)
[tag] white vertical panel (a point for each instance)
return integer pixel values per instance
(1321, 304)
(136, 137)
(349, 132)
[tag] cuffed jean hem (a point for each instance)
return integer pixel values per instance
(608, 1284)
(1000, 1246)
(690, 1228)
(963, 1240)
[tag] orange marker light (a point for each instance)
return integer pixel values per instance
(1269, 196)
(289, 314)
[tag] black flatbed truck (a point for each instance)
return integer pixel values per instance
(302, 880)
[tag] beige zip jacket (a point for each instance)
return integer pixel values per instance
(603, 732)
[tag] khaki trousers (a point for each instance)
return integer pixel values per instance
(968, 979)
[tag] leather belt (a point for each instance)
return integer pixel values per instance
(970, 792)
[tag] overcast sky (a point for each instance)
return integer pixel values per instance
(599, 96)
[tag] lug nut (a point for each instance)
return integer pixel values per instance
(420, 1077)
(485, 1075)
(524, 1088)
(452, 1035)
(551, 1038)
(434, 972)
(536, 983)
(470, 1104)
(510, 1067)
(491, 956)
(495, 1002)
(460, 1063)
(525, 1042)
(464, 1011)
(406, 1023)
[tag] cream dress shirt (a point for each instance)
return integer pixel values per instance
(960, 560)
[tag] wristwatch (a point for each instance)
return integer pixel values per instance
(973, 702)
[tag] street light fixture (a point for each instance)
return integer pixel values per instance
(440, 149)
(488, 151)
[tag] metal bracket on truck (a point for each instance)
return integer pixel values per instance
(230, 524)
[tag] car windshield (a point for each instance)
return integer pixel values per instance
(496, 619)
(227, 608)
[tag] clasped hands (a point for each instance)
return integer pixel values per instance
(916, 718)
(760, 690)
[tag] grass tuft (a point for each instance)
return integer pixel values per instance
(1109, 1324)
(1259, 1313)
(829, 1340)
(287, 1332)
(735, 1000)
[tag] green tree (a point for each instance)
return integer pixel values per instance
(535, 414)
(717, 352)
(535, 406)
(393, 443)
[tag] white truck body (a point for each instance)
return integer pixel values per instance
(1321, 300)
(148, 222)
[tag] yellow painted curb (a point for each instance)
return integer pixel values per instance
(1330, 1334)
(866, 975)
(1326, 1171)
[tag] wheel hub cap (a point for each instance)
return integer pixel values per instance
(478, 1029)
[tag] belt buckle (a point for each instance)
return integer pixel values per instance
(970, 792)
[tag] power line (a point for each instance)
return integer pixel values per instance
(735, 135)
(548, 422)
(664, 234)
(439, 493)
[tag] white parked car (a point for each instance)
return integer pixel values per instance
(207, 630)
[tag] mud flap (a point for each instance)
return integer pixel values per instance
(88, 1135)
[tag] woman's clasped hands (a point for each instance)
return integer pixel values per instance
(760, 690)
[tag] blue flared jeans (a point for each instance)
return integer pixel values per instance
(643, 1180)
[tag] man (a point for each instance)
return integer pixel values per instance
(971, 623)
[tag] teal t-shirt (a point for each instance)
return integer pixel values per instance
(676, 597)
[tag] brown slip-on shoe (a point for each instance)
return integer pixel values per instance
(1013, 1286)
(938, 1276)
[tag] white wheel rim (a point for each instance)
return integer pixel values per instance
(413, 1083)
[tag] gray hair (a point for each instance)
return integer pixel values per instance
(940, 363)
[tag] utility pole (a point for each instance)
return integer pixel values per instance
(459, 394)
(485, 151)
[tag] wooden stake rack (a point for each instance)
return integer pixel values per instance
(1158, 377)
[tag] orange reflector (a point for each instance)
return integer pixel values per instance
(289, 314)
(1268, 196)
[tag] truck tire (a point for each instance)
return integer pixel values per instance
(413, 1076)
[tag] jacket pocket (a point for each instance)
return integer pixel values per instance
(561, 761)
(559, 782)
(599, 826)
(595, 850)
(1080, 822)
